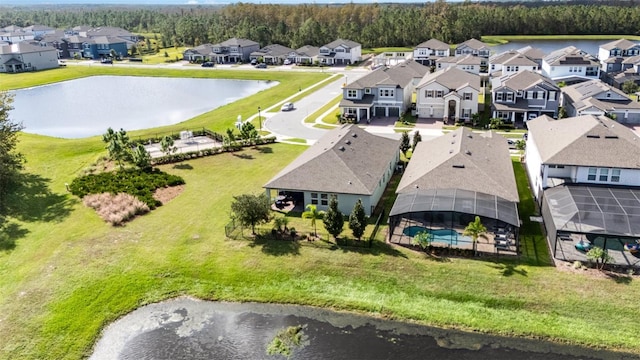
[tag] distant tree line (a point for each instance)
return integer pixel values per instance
(373, 25)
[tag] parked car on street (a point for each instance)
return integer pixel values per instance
(106, 61)
(287, 62)
(287, 106)
(254, 62)
(261, 66)
(207, 64)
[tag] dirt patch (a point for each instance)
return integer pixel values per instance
(619, 275)
(164, 195)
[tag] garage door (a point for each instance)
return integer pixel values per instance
(379, 111)
(394, 111)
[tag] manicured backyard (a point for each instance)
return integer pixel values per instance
(69, 274)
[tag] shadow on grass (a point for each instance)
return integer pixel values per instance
(265, 149)
(244, 156)
(377, 248)
(509, 269)
(276, 247)
(183, 167)
(619, 278)
(30, 199)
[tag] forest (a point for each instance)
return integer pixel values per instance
(373, 25)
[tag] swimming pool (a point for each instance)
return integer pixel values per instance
(447, 236)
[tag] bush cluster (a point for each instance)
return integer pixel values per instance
(115, 209)
(135, 182)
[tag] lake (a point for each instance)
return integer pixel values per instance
(186, 328)
(548, 46)
(88, 106)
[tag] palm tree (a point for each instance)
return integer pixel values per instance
(313, 214)
(475, 229)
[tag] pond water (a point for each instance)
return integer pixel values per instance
(186, 328)
(548, 46)
(88, 106)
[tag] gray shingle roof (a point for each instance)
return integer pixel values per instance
(570, 55)
(461, 60)
(348, 43)
(532, 53)
(308, 51)
(237, 42)
(434, 44)
(522, 80)
(399, 75)
(586, 140)
(462, 160)
(474, 44)
(346, 160)
(582, 97)
(273, 50)
(622, 44)
(24, 48)
(512, 58)
(451, 78)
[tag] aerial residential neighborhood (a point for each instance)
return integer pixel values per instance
(302, 173)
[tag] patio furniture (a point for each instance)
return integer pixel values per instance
(583, 245)
(632, 248)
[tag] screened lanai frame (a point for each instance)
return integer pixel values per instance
(451, 204)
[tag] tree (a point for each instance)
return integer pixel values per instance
(629, 87)
(416, 139)
(140, 157)
(167, 145)
(475, 229)
(422, 239)
(358, 220)
(248, 131)
(405, 145)
(562, 113)
(118, 146)
(333, 219)
(313, 214)
(251, 210)
(600, 256)
(10, 160)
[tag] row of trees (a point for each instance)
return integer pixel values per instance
(10, 160)
(373, 25)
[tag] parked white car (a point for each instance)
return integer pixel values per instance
(286, 62)
(287, 106)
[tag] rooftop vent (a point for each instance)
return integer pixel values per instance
(453, 142)
(611, 137)
(354, 135)
(341, 148)
(468, 152)
(593, 136)
(348, 142)
(454, 135)
(451, 151)
(470, 136)
(458, 166)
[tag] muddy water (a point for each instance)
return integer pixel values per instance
(185, 328)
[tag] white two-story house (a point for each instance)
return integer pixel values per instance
(383, 92)
(429, 51)
(340, 52)
(510, 62)
(597, 98)
(468, 63)
(473, 47)
(613, 53)
(233, 50)
(524, 95)
(450, 94)
(570, 65)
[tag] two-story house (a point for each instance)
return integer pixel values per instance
(340, 52)
(585, 174)
(233, 50)
(274, 54)
(450, 94)
(473, 47)
(613, 53)
(570, 65)
(23, 56)
(104, 46)
(597, 98)
(39, 30)
(15, 37)
(534, 54)
(522, 96)
(383, 92)
(510, 62)
(75, 45)
(429, 51)
(57, 41)
(306, 55)
(468, 63)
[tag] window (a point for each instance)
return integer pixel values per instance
(552, 95)
(615, 175)
(386, 93)
(510, 97)
(604, 175)
(439, 93)
(352, 93)
(592, 174)
(499, 96)
(466, 113)
(314, 198)
(468, 96)
(540, 94)
(428, 93)
(493, 66)
(367, 91)
(530, 95)
(324, 199)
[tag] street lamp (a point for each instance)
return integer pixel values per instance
(259, 119)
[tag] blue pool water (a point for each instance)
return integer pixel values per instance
(447, 236)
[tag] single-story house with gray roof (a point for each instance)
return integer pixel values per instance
(452, 179)
(347, 162)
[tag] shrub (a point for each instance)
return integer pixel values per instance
(115, 209)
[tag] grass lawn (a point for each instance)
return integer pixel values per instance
(330, 118)
(377, 51)
(160, 58)
(69, 274)
(503, 39)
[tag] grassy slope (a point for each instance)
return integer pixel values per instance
(502, 39)
(70, 274)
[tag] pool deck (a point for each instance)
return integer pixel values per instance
(566, 251)
(485, 244)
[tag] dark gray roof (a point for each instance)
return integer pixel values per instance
(308, 51)
(434, 44)
(582, 95)
(108, 40)
(273, 50)
(595, 209)
(585, 141)
(365, 102)
(523, 80)
(462, 160)
(108, 31)
(348, 43)
(399, 75)
(461, 60)
(451, 78)
(346, 160)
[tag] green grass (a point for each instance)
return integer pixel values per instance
(69, 274)
(328, 106)
(296, 140)
(503, 39)
(324, 126)
(381, 50)
(160, 58)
